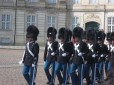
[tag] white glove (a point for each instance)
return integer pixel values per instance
(53, 54)
(101, 55)
(20, 62)
(93, 55)
(33, 65)
(79, 54)
(64, 54)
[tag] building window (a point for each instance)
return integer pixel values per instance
(51, 21)
(31, 20)
(110, 1)
(92, 1)
(76, 1)
(6, 21)
(110, 24)
(31, 0)
(52, 1)
(75, 22)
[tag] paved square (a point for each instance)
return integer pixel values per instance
(10, 71)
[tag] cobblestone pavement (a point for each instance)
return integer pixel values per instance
(10, 71)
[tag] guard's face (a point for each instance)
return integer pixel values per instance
(76, 40)
(112, 42)
(61, 40)
(29, 39)
(109, 41)
(50, 39)
(90, 41)
(99, 42)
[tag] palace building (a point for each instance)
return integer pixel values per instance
(17, 15)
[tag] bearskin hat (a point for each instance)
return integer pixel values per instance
(101, 35)
(112, 36)
(108, 36)
(84, 35)
(69, 34)
(51, 32)
(77, 32)
(62, 33)
(32, 31)
(91, 35)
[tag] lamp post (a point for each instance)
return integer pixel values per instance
(15, 21)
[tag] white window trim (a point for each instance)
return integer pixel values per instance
(93, 2)
(51, 20)
(31, 1)
(49, 2)
(31, 15)
(110, 24)
(10, 25)
(76, 24)
(72, 1)
(110, 2)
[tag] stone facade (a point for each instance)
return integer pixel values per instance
(18, 14)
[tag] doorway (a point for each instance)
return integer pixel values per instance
(92, 25)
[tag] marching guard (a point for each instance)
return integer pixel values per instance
(30, 57)
(111, 72)
(91, 58)
(50, 54)
(79, 55)
(108, 63)
(63, 57)
(69, 36)
(102, 51)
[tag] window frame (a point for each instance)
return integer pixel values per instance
(76, 21)
(52, 24)
(111, 24)
(93, 2)
(31, 20)
(6, 21)
(53, 1)
(112, 1)
(75, 1)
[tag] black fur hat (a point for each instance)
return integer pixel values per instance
(101, 36)
(33, 32)
(62, 33)
(51, 32)
(108, 36)
(69, 34)
(112, 36)
(77, 32)
(84, 35)
(91, 35)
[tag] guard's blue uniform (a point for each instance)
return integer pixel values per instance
(50, 58)
(79, 56)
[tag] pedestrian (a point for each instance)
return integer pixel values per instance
(50, 54)
(102, 51)
(30, 57)
(111, 72)
(79, 55)
(108, 63)
(62, 58)
(91, 58)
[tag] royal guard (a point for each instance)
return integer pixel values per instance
(80, 51)
(108, 63)
(50, 54)
(91, 58)
(69, 36)
(63, 57)
(30, 57)
(111, 72)
(102, 51)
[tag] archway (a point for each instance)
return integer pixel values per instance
(92, 25)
